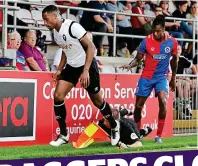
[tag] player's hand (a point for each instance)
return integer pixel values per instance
(127, 67)
(56, 75)
(84, 79)
(121, 145)
(172, 84)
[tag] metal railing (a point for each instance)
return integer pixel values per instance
(114, 34)
(12, 53)
(186, 105)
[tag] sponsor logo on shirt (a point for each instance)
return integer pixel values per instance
(66, 47)
(159, 56)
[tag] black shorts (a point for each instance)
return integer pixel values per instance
(72, 74)
(128, 127)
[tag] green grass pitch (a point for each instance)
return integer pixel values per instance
(169, 144)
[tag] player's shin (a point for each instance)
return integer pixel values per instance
(160, 128)
(60, 112)
(137, 117)
(105, 109)
(162, 115)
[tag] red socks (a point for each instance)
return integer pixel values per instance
(160, 127)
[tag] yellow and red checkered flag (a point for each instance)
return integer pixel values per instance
(91, 133)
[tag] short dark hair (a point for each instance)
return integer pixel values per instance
(161, 2)
(157, 6)
(50, 8)
(193, 3)
(159, 20)
(180, 3)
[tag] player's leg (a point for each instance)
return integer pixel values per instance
(62, 89)
(66, 82)
(105, 109)
(104, 124)
(162, 99)
(144, 89)
(100, 103)
(145, 132)
(161, 90)
(139, 103)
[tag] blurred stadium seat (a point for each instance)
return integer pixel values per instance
(37, 16)
(25, 16)
(71, 16)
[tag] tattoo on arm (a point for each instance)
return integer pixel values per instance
(137, 60)
(133, 63)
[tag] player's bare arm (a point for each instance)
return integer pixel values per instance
(62, 62)
(61, 66)
(134, 62)
(137, 60)
(174, 65)
(87, 43)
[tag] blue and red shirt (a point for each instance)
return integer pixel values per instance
(20, 61)
(157, 55)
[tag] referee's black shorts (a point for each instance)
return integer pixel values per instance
(72, 74)
(129, 133)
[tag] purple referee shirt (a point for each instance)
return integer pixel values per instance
(29, 51)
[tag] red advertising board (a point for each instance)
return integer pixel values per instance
(38, 113)
(26, 107)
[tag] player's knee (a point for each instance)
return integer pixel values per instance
(163, 102)
(58, 96)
